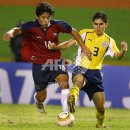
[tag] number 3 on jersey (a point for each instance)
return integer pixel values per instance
(96, 50)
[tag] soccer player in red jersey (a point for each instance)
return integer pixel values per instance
(48, 66)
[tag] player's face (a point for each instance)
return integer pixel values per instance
(44, 19)
(99, 26)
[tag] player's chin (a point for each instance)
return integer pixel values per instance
(99, 33)
(44, 25)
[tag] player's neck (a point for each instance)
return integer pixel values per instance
(45, 28)
(101, 34)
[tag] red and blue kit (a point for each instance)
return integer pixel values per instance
(36, 40)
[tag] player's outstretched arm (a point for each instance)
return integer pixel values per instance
(120, 54)
(11, 33)
(66, 44)
(78, 38)
(63, 45)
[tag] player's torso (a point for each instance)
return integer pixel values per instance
(41, 37)
(39, 41)
(98, 47)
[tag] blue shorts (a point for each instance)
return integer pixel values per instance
(43, 74)
(93, 80)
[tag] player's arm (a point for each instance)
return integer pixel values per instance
(78, 38)
(63, 45)
(120, 54)
(11, 33)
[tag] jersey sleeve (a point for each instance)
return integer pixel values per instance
(82, 34)
(64, 27)
(112, 48)
(25, 27)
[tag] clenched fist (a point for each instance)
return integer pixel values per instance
(124, 46)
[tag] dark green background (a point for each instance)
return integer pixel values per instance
(119, 26)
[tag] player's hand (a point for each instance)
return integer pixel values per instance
(52, 46)
(6, 37)
(88, 53)
(124, 46)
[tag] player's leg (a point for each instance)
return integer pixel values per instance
(39, 98)
(99, 100)
(62, 80)
(41, 77)
(95, 92)
(78, 81)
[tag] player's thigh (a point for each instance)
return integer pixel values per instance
(41, 77)
(99, 100)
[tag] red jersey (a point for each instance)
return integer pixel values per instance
(35, 40)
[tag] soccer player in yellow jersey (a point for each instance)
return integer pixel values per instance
(86, 75)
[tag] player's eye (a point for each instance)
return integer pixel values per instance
(101, 24)
(49, 17)
(98, 23)
(95, 23)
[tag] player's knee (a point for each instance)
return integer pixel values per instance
(63, 81)
(78, 80)
(62, 77)
(64, 84)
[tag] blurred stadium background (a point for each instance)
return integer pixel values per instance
(16, 86)
(78, 13)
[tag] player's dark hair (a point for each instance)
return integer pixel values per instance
(44, 7)
(100, 15)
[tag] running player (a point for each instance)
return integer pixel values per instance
(48, 66)
(86, 75)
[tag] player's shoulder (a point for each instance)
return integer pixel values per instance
(54, 21)
(61, 25)
(110, 38)
(106, 35)
(86, 31)
(29, 24)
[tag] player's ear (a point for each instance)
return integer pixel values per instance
(106, 25)
(36, 17)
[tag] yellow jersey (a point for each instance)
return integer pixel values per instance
(100, 47)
